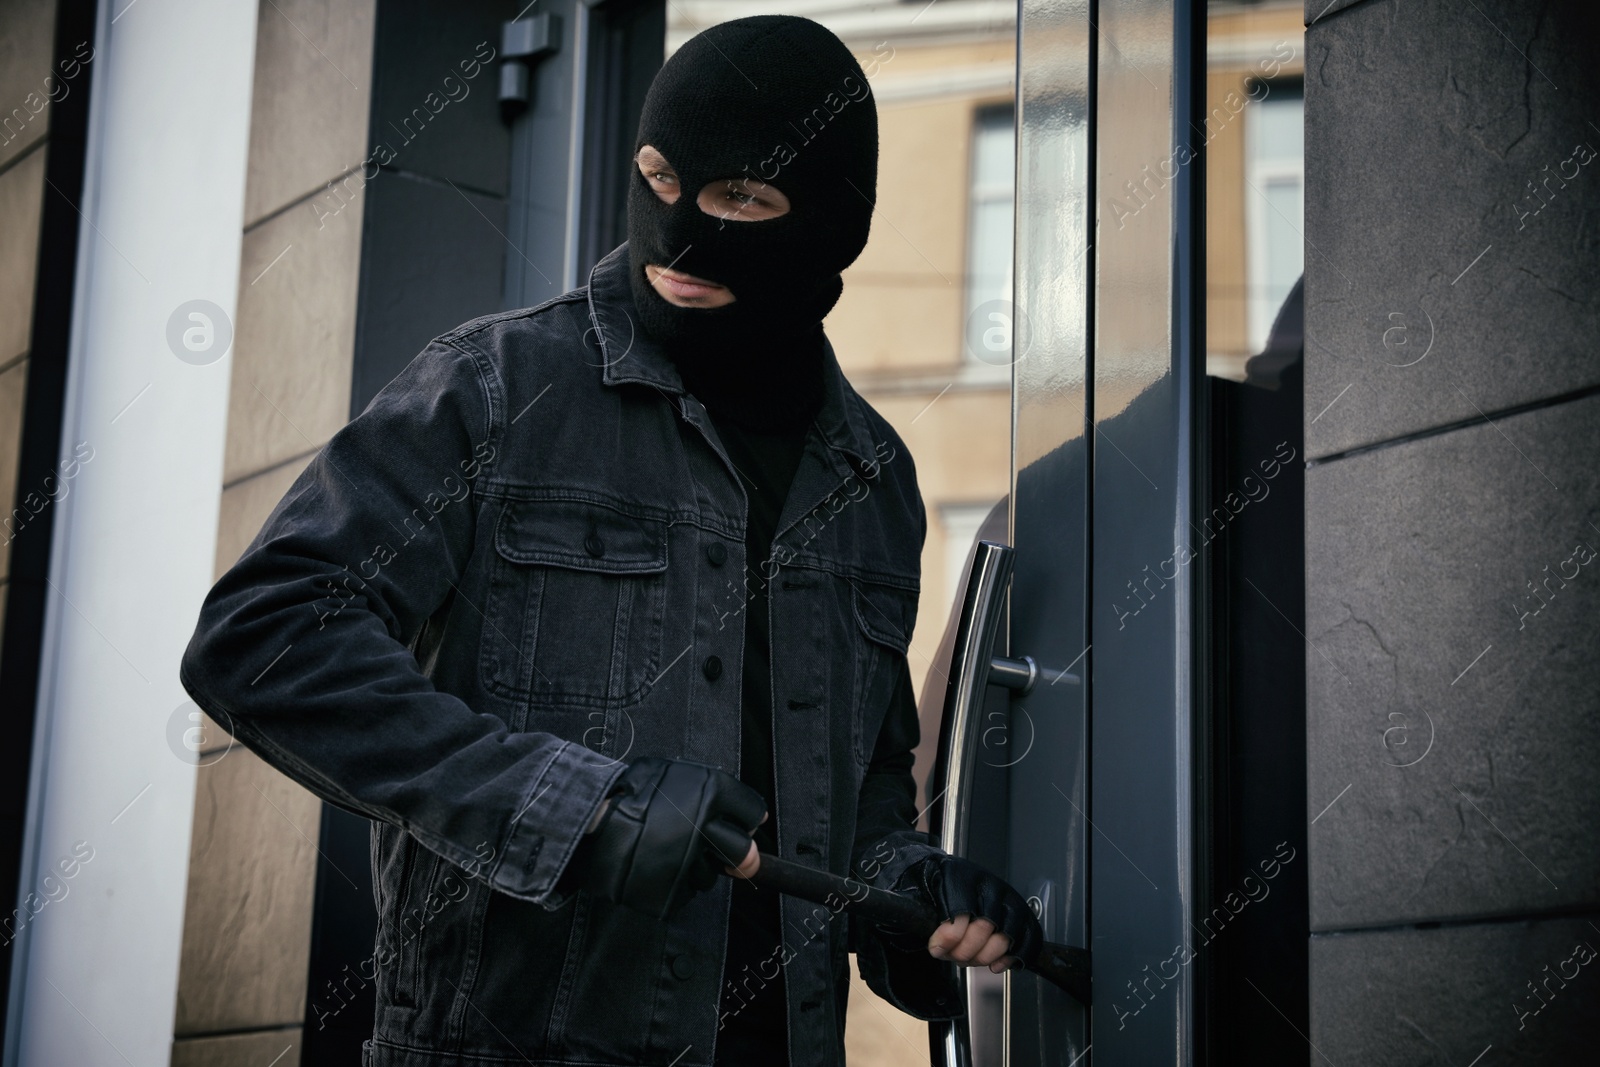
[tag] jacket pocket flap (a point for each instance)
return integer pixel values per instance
(581, 536)
(886, 614)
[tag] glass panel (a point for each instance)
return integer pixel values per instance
(1253, 133)
(1250, 535)
(1045, 751)
(1141, 672)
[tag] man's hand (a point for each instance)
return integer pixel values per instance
(751, 862)
(674, 825)
(987, 923)
(972, 943)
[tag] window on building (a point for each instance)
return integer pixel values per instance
(989, 236)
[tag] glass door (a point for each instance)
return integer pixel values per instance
(1127, 788)
(1091, 783)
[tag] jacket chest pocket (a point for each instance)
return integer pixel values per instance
(576, 602)
(885, 616)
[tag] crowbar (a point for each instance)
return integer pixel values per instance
(1061, 965)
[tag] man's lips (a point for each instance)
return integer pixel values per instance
(685, 285)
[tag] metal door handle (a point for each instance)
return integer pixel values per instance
(982, 608)
(974, 668)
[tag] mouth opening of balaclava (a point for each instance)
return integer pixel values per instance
(778, 99)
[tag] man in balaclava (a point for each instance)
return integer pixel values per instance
(757, 362)
(597, 597)
(766, 134)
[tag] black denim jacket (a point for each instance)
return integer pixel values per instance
(520, 567)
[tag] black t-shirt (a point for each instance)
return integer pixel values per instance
(753, 1008)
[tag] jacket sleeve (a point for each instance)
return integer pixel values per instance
(885, 845)
(304, 648)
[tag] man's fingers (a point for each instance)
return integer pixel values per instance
(977, 935)
(728, 842)
(742, 805)
(972, 943)
(993, 950)
(751, 864)
(962, 938)
(947, 936)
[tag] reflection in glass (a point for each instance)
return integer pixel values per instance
(1276, 172)
(1254, 134)
(989, 240)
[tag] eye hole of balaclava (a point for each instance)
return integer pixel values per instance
(775, 99)
(730, 199)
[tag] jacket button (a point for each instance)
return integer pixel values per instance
(594, 546)
(717, 553)
(682, 967)
(712, 668)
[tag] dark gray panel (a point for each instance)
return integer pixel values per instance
(435, 93)
(1047, 739)
(1436, 284)
(1424, 631)
(1457, 995)
(432, 257)
(541, 167)
(1146, 730)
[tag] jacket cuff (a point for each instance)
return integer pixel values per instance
(555, 813)
(896, 967)
(911, 980)
(885, 863)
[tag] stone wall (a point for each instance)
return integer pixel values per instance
(1452, 408)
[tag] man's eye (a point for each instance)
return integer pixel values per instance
(659, 176)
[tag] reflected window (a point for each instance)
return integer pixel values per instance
(989, 233)
(1253, 133)
(1275, 171)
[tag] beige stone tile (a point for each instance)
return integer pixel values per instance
(247, 925)
(294, 337)
(313, 82)
(13, 383)
(27, 79)
(277, 1048)
(246, 505)
(21, 192)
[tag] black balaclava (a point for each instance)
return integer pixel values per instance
(778, 99)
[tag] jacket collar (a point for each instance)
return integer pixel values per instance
(629, 356)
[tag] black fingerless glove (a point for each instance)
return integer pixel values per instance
(954, 886)
(671, 827)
